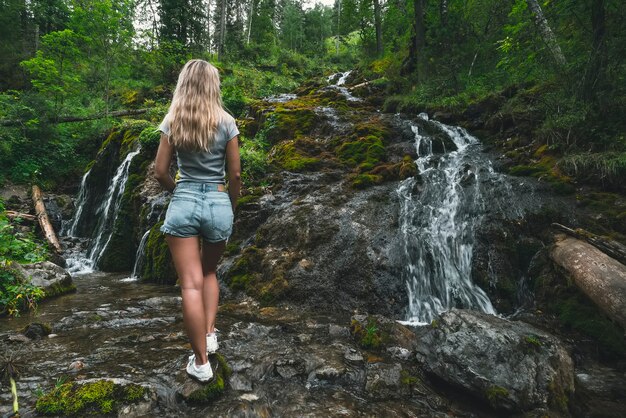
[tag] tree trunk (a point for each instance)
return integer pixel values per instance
(546, 33)
(611, 248)
(416, 52)
(378, 26)
(443, 12)
(600, 277)
(598, 58)
(42, 216)
(222, 39)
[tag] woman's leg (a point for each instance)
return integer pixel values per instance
(211, 253)
(187, 260)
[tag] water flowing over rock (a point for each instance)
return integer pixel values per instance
(511, 365)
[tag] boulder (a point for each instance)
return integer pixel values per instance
(53, 279)
(511, 365)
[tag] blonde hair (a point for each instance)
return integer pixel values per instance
(196, 108)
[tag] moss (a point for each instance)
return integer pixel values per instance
(495, 394)
(288, 157)
(362, 181)
(533, 342)
(580, 314)
(232, 248)
(158, 266)
(217, 386)
(398, 171)
(407, 379)
(59, 289)
(246, 271)
(99, 397)
(290, 120)
(364, 152)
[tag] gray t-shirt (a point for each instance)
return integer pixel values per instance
(205, 167)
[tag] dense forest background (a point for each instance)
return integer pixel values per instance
(64, 60)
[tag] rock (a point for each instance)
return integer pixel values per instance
(36, 330)
(196, 392)
(511, 365)
(600, 391)
(600, 277)
(377, 332)
(54, 280)
(383, 381)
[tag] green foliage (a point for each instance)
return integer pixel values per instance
(16, 293)
(254, 158)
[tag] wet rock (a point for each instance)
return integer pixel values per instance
(600, 392)
(377, 332)
(383, 381)
(196, 392)
(240, 382)
(54, 280)
(36, 330)
(511, 365)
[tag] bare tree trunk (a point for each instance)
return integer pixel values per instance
(208, 26)
(222, 39)
(378, 26)
(44, 222)
(608, 246)
(546, 33)
(443, 12)
(250, 21)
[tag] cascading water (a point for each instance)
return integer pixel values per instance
(70, 229)
(79, 262)
(339, 85)
(438, 226)
(109, 208)
(139, 257)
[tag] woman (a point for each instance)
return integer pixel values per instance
(199, 218)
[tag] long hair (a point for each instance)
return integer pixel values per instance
(196, 108)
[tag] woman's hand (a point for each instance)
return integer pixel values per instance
(162, 164)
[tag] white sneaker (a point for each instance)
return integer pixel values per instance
(203, 373)
(211, 343)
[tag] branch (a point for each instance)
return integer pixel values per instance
(66, 119)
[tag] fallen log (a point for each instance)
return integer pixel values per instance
(11, 214)
(65, 119)
(42, 216)
(611, 248)
(600, 277)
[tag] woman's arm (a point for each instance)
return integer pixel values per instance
(162, 164)
(234, 170)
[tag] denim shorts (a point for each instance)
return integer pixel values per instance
(198, 209)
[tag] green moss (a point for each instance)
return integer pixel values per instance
(533, 342)
(407, 379)
(579, 313)
(216, 387)
(362, 181)
(398, 171)
(99, 397)
(158, 266)
(364, 152)
(232, 248)
(246, 271)
(496, 393)
(290, 120)
(288, 157)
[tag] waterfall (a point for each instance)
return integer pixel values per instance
(78, 261)
(438, 225)
(80, 204)
(108, 210)
(340, 85)
(139, 256)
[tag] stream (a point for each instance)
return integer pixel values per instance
(284, 363)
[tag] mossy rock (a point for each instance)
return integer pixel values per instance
(290, 120)
(287, 156)
(396, 171)
(158, 266)
(364, 152)
(362, 181)
(246, 271)
(90, 398)
(198, 393)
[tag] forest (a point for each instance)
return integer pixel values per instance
(78, 59)
(366, 97)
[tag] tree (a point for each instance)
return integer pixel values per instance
(546, 33)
